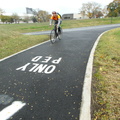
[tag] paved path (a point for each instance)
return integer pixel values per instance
(46, 82)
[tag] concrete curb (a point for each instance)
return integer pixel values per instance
(85, 111)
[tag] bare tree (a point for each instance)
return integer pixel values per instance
(117, 1)
(83, 13)
(1, 11)
(91, 9)
(26, 19)
(41, 15)
(15, 17)
(105, 11)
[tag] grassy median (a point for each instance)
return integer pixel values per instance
(106, 78)
(106, 68)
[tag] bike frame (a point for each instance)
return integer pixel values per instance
(55, 34)
(56, 30)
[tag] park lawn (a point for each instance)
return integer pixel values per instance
(12, 41)
(106, 78)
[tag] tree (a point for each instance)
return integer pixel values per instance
(34, 19)
(105, 11)
(99, 14)
(114, 8)
(1, 11)
(91, 9)
(15, 17)
(26, 19)
(6, 19)
(117, 3)
(82, 13)
(41, 15)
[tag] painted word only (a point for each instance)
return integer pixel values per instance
(40, 65)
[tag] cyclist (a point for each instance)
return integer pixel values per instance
(57, 20)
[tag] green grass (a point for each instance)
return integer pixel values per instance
(89, 22)
(106, 77)
(12, 41)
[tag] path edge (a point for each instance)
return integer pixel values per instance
(85, 110)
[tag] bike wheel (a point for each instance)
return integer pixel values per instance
(52, 36)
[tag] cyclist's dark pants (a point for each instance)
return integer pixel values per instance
(59, 30)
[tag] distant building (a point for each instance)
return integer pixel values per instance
(74, 16)
(67, 16)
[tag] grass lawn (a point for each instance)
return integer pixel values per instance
(106, 67)
(106, 77)
(12, 41)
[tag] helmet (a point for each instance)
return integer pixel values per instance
(53, 12)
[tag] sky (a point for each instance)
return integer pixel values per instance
(61, 6)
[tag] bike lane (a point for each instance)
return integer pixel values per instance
(46, 82)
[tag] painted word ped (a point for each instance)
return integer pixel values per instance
(40, 64)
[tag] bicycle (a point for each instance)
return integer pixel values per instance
(55, 34)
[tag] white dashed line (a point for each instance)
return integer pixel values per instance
(9, 111)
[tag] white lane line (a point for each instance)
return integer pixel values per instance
(85, 112)
(9, 111)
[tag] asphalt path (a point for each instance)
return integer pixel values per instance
(46, 81)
